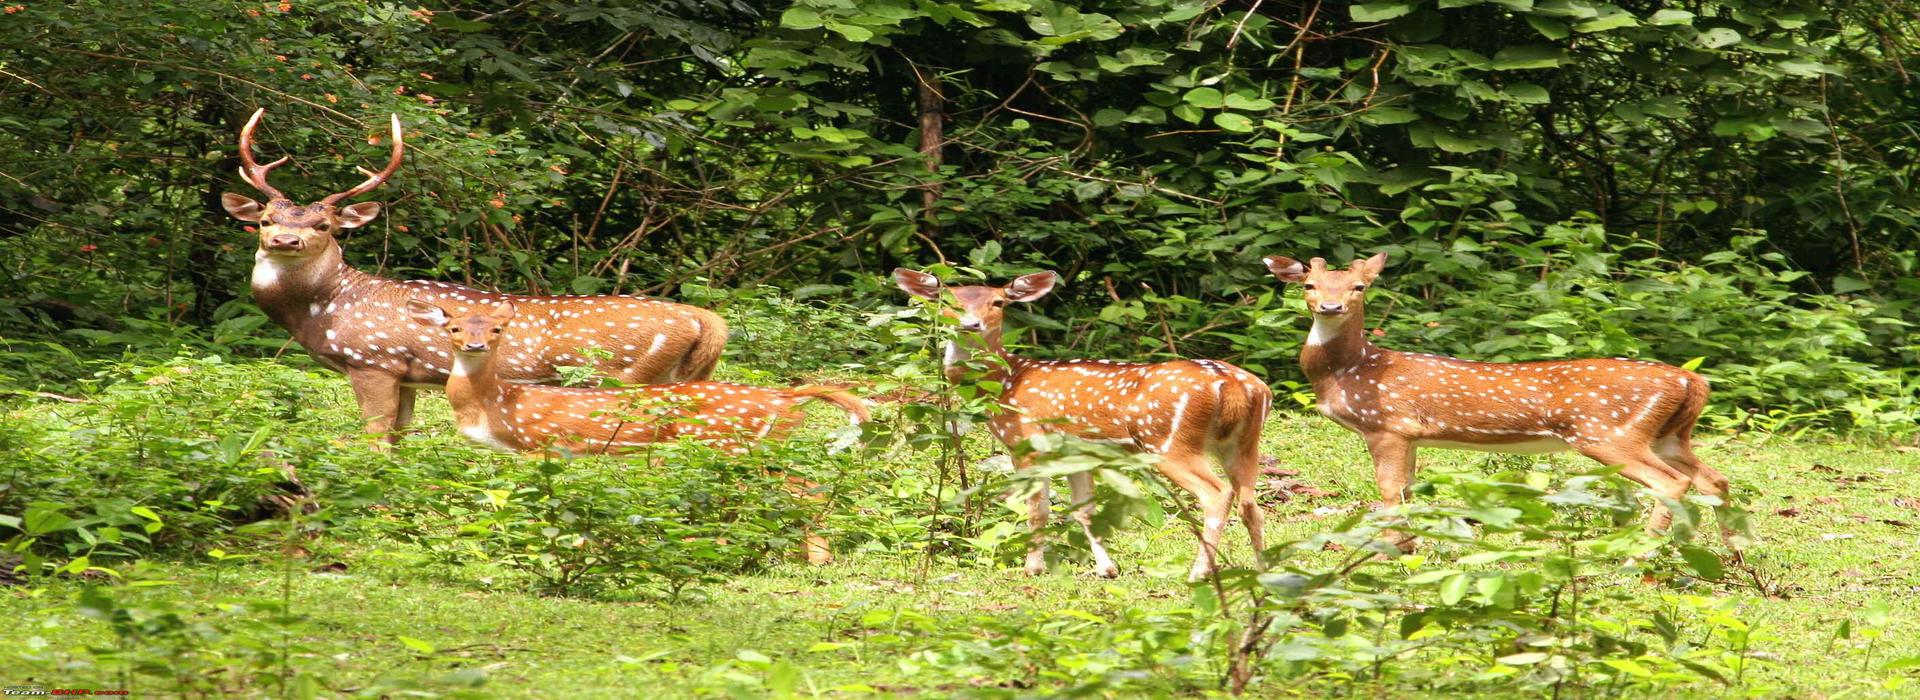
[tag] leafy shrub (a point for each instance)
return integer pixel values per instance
(679, 515)
(1498, 603)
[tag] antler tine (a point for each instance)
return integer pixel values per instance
(374, 180)
(254, 173)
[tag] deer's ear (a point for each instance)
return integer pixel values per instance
(241, 206)
(1286, 269)
(917, 283)
(502, 311)
(357, 215)
(1371, 267)
(426, 314)
(1031, 287)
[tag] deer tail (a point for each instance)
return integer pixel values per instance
(845, 400)
(707, 348)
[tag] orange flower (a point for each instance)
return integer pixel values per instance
(403, 228)
(497, 204)
(333, 98)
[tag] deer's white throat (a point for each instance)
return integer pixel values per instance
(468, 365)
(957, 354)
(1326, 329)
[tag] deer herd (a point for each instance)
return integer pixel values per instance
(498, 356)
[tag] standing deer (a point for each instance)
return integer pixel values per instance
(526, 418)
(353, 322)
(1631, 413)
(1185, 411)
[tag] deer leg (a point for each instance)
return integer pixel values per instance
(1243, 474)
(1393, 460)
(403, 412)
(1640, 464)
(1677, 451)
(378, 394)
(1039, 507)
(1082, 485)
(1191, 472)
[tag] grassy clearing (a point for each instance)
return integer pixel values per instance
(1834, 541)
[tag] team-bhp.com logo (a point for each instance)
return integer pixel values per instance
(43, 691)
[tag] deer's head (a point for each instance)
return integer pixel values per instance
(296, 231)
(979, 309)
(1329, 292)
(472, 334)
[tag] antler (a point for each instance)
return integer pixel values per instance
(254, 173)
(374, 179)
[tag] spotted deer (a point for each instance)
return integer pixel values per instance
(1184, 411)
(573, 421)
(355, 322)
(1635, 414)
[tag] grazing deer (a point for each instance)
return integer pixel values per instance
(353, 322)
(1635, 414)
(1185, 411)
(526, 418)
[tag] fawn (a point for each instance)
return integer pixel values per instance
(525, 418)
(1185, 411)
(1635, 414)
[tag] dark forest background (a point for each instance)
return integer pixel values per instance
(1724, 183)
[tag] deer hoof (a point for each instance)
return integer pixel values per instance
(1108, 571)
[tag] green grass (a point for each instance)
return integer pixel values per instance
(1833, 539)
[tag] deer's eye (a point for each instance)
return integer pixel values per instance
(1359, 287)
(999, 303)
(323, 228)
(1308, 286)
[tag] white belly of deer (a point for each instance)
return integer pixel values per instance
(1533, 446)
(480, 434)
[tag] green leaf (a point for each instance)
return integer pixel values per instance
(1382, 116)
(1454, 589)
(1550, 28)
(1614, 20)
(1717, 37)
(1703, 562)
(1247, 101)
(1628, 666)
(851, 31)
(145, 512)
(1670, 17)
(1529, 56)
(1694, 363)
(1233, 122)
(1525, 659)
(1204, 97)
(1528, 93)
(416, 644)
(1843, 284)
(800, 18)
(1379, 11)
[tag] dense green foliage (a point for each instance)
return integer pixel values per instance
(1551, 178)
